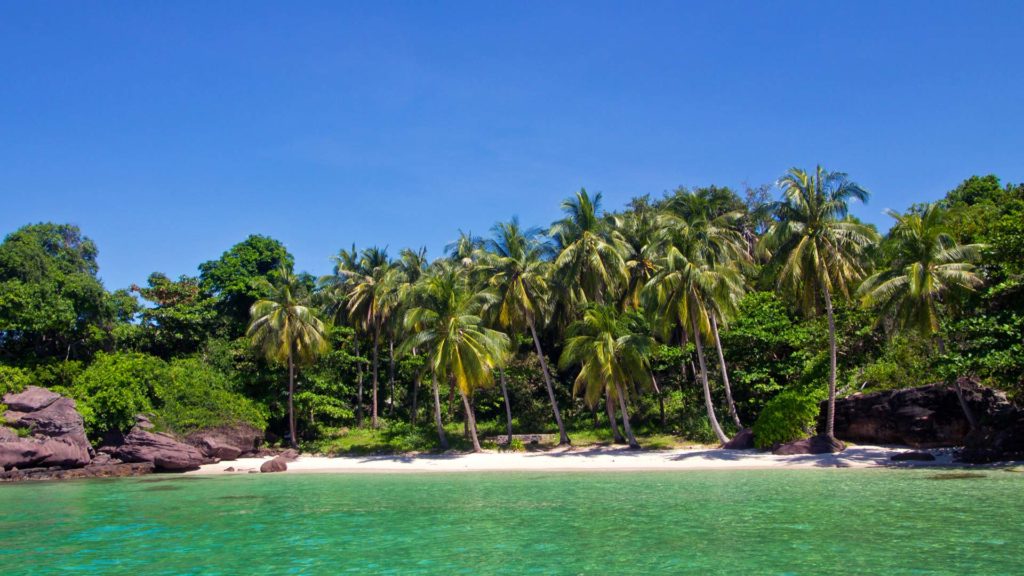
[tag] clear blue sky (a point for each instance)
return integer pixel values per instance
(171, 130)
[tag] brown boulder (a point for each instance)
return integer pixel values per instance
(743, 440)
(23, 453)
(923, 417)
(277, 464)
(164, 451)
(58, 431)
(813, 445)
(226, 442)
(33, 398)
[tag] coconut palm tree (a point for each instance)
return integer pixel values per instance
(285, 328)
(589, 261)
(818, 248)
(517, 273)
(448, 325)
(925, 264)
(613, 352)
(413, 265)
(371, 301)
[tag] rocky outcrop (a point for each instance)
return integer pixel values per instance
(56, 432)
(922, 417)
(743, 440)
(93, 470)
(226, 442)
(813, 445)
(998, 438)
(164, 451)
(276, 464)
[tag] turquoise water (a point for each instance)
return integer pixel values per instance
(729, 522)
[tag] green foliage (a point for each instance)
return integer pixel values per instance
(182, 316)
(13, 379)
(789, 416)
(238, 278)
(195, 395)
(516, 445)
(116, 387)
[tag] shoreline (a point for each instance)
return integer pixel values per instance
(595, 459)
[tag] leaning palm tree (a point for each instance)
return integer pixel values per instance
(613, 352)
(517, 275)
(287, 330)
(371, 300)
(448, 325)
(818, 248)
(926, 264)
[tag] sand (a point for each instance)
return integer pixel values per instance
(602, 459)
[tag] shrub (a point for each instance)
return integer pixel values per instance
(116, 387)
(516, 445)
(195, 395)
(788, 416)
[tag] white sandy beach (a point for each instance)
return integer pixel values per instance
(584, 459)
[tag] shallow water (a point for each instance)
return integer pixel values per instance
(714, 522)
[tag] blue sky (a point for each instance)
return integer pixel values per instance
(170, 131)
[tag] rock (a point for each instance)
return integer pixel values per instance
(164, 451)
(143, 421)
(922, 417)
(32, 399)
(1000, 438)
(104, 459)
(8, 434)
(814, 445)
(912, 456)
(226, 442)
(289, 455)
(743, 440)
(229, 469)
(58, 431)
(91, 471)
(277, 464)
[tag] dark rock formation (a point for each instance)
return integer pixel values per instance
(743, 440)
(923, 417)
(912, 457)
(813, 445)
(91, 471)
(164, 451)
(998, 438)
(226, 442)
(277, 464)
(57, 431)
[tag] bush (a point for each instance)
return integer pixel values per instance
(195, 395)
(116, 387)
(788, 416)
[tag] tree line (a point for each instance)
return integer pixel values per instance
(696, 313)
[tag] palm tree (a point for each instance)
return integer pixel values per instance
(926, 263)
(412, 264)
(613, 353)
(818, 248)
(589, 261)
(287, 330)
(448, 325)
(517, 274)
(372, 299)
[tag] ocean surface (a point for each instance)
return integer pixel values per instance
(827, 521)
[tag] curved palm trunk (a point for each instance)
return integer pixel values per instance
(830, 418)
(625, 418)
(391, 377)
(609, 407)
(725, 374)
(376, 346)
(508, 405)
(563, 438)
(437, 413)
(291, 405)
(661, 400)
(704, 382)
(359, 394)
(470, 422)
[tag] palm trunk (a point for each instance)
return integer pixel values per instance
(415, 396)
(451, 402)
(661, 400)
(359, 394)
(609, 407)
(391, 377)
(470, 422)
(704, 381)
(725, 374)
(830, 418)
(508, 405)
(376, 346)
(291, 405)
(625, 418)
(563, 438)
(437, 413)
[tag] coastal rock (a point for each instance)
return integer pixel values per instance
(814, 445)
(912, 457)
(289, 455)
(164, 451)
(277, 464)
(743, 440)
(57, 431)
(226, 442)
(922, 417)
(92, 471)
(998, 439)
